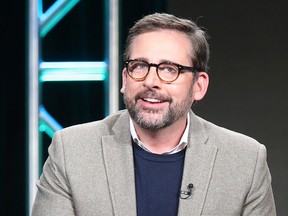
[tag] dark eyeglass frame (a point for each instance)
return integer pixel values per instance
(181, 68)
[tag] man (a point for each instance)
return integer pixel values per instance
(157, 157)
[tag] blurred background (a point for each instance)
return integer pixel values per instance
(248, 70)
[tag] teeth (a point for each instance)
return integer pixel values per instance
(152, 100)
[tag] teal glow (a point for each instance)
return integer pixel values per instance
(47, 123)
(54, 14)
(73, 71)
(43, 127)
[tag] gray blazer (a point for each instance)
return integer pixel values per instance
(90, 172)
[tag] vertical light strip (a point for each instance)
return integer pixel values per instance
(113, 56)
(33, 101)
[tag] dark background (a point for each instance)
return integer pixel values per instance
(248, 90)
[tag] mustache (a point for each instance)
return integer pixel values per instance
(148, 93)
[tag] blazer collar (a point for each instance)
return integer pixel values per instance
(199, 162)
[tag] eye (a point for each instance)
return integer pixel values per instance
(137, 65)
(168, 68)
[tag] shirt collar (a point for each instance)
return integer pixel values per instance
(181, 145)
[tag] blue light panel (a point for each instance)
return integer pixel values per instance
(73, 71)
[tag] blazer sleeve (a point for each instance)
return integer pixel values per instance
(260, 200)
(54, 196)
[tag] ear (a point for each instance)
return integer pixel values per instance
(200, 86)
(124, 79)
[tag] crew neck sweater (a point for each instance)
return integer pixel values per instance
(158, 181)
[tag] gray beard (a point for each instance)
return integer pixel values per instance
(141, 116)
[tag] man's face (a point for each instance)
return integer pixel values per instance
(152, 103)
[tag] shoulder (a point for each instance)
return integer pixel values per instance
(82, 143)
(96, 129)
(231, 141)
(98, 126)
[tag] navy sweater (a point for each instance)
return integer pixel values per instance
(158, 182)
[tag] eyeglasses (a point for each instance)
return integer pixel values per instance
(166, 71)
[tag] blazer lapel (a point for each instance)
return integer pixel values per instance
(199, 162)
(118, 158)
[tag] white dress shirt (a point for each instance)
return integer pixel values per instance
(181, 145)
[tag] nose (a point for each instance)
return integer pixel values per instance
(152, 80)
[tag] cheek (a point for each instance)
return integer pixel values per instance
(181, 92)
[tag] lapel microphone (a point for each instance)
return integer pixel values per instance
(186, 194)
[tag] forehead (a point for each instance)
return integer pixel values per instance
(162, 45)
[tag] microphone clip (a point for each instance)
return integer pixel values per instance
(186, 194)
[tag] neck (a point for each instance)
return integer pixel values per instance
(162, 140)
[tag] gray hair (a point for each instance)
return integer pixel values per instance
(157, 21)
